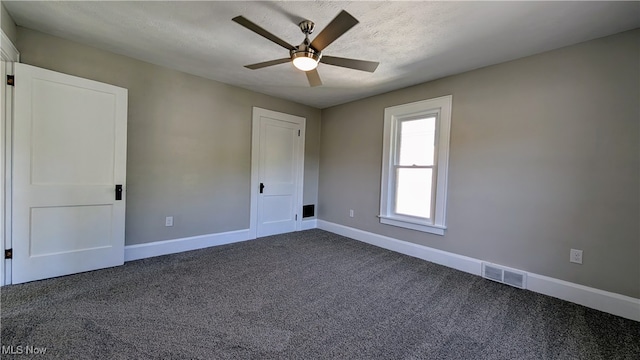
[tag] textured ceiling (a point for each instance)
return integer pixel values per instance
(413, 41)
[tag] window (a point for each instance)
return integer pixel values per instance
(414, 165)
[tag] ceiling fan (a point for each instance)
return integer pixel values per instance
(308, 54)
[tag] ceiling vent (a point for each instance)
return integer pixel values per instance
(504, 275)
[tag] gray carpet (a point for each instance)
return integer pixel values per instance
(307, 295)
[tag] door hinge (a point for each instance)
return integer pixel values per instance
(8, 253)
(298, 132)
(10, 80)
(296, 217)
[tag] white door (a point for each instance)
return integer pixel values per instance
(280, 168)
(69, 156)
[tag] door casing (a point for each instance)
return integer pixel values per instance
(9, 54)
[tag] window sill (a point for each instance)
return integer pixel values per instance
(413, 225)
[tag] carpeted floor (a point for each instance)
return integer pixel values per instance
(306, 295)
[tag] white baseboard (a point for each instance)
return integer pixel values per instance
(165, 247)
(605, 301)
(309, 224)
(458, 262)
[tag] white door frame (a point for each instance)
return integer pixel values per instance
(255, 164)
(8, 54)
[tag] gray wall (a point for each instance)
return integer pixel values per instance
(7, 24)
(189, 140)
(544, 157)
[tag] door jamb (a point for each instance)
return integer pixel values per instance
(9, 54)
(255, 164)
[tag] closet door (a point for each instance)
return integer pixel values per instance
(69, 163)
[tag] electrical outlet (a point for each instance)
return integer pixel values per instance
(575, 256)
(168, 221)
(350, 212)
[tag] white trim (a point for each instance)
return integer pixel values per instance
(609, 302)
(8, 51)
(455, 261)
(9, 54)
(255, 175)
(255, 164)
(165, 247)
(173, 246)
(414, 225)
(440, 108)
(309, 224)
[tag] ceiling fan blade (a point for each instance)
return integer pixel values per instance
(262, 32)
(338, 26)
(267, 63)
(363, 65)
(314, 78)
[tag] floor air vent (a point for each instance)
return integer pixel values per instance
(504, 275)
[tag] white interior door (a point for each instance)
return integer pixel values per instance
(69, 154)
(280, 169)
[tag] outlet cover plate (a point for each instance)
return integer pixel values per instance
(575, 256)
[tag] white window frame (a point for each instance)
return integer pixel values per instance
(393, 116)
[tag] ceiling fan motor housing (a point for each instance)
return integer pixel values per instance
(305, 50)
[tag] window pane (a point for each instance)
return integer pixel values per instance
(416, 141)
(413, 192)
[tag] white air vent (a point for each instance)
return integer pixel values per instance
(504, 275)
(492, 273)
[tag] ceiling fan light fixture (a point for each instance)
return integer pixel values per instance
(305, 60)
